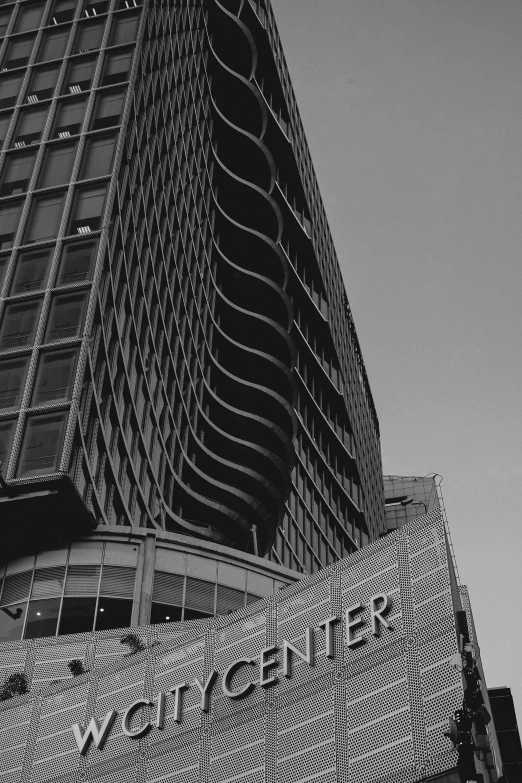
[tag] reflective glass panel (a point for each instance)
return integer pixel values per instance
(12, 379)
(113, 613)
(87, 210)
(54, 43)
(30, 126)
(42, 617)
(29, 17)
(44, 218)
(9, 89)
(18, 52)
(163, 613)
(12, 622)
(41, 445)
(7, 431)
(63, 11)
(69, 118)
(57, 166)
(97, 158)
(77, 262)
(54, 378)
(77, 615)
(116, 68)
(4, 260)
(17, 174)
(19, 323)
(32, 269)
(79, 76)
(42, 83)
(124, 30)
(9, 220)
(89, 36)
(107, 111)
(5, 120)
(66, 316)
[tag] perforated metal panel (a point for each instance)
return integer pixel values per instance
(375, 711)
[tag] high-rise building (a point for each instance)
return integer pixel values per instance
(408, 497)
(177, 352)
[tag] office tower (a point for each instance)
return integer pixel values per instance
(177, 353)
(506, 726)
(408, 497)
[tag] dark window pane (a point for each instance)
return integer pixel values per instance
(69, 118)
(107, 111)
(29, 17)
(9, 89)
(79, 76)
(41, 444)
(5, 121)
(124, 31)
(12, 379)
(18, 52)
(9, 220)
(7, 431)
(54, 43)
(54, 378)
(19, 323)
(89, 36)
(32, 269)
(57, 166)
(97, 158)
(12, 622)
(17, 173)
(42, 84)
(66, 316)
(4, 260)
(113, 613)
(30, 126)
(4, 21)
(42, 617)
(163, 613)
(77, 262)
(116, 68)
(77, 615)
(63, 11)
(95, 7)
(193, 614)
(87, 210)
(44, 218)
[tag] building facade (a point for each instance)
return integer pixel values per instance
(177, 352)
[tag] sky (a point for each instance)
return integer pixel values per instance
(413, 113)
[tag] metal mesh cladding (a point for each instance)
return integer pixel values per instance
(374, 711)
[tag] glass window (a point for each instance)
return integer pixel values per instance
(19, 323)
(163, 613)
(4, 21)
(95, 7)
(12, 620)
(124, 30)
(63, 11)
(5, 121)
(7, 431)
(9, 219)
(29, 17)
(54, 378)
(44, 218)
(116, 68)
(4, 260)
(77, 615)
(79, 76)
(17, 173)
(30, 126)
(87, 210)
(18, 52)
(89, 36)
(54, 43)
(41, 444)
(77, 262)
(42, 618)
(66, 316)
(69, 118)
(107, 111)
(113, 613)
(42, 84)
(12, 379)
(32, 269)
(97, 158)
(9, 89)
(57, 166)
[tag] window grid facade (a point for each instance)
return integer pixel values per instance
(174, 331)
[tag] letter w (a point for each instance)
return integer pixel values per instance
(97, 733)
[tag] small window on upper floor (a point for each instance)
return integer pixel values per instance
(7, 431)
(42, 84)
(63, 11)
(58, 165)
(79, 76)
(124, 29)
(44, 217)
(41, 445)
(9, 220)
(54, 44)
(54, 378)
(66, 316)
(87, 210)
(107, 111)
(9, 89)
(19, 323)
(89, 36)
(30, 126)
(97, 158)
(116, 68)
(17, 173)
(77, 262)
(29, 17)
(18, 52)
(69, 118)
(32, 270)
(13, 373)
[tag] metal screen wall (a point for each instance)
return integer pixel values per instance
(375, 711)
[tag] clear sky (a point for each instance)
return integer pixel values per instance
(413, 112)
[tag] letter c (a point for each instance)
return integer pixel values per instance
(249, 686)
(127, 715)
